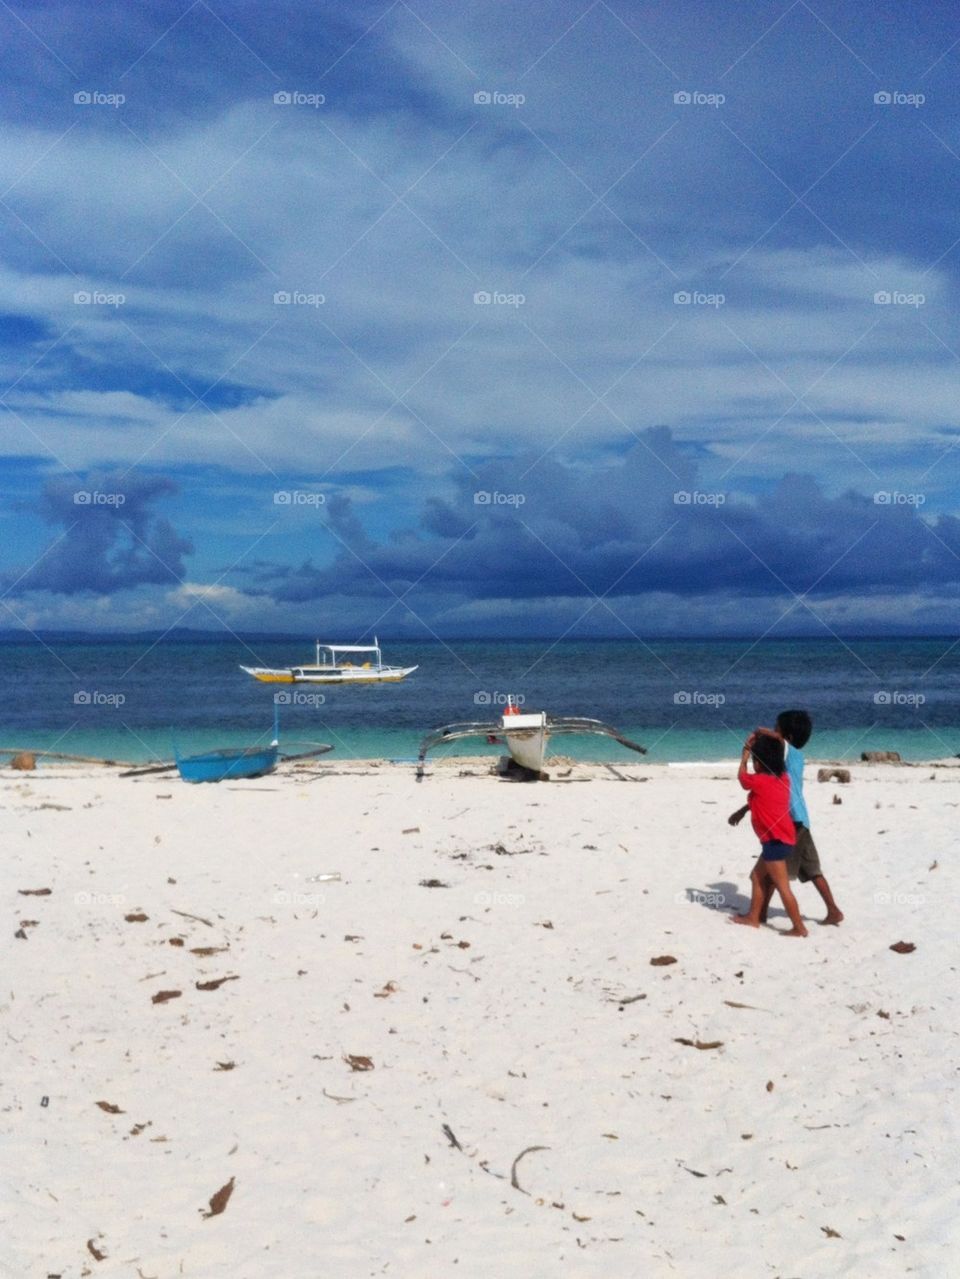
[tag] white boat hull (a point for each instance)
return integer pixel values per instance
(527, 737)
(348, 675)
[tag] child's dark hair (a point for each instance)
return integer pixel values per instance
(768, 753)
(796, 727)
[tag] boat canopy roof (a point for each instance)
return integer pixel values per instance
(350, 648)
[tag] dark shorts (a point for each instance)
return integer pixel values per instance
(775, 851)
(804, 860)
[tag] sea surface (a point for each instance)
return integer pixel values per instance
(685, 700)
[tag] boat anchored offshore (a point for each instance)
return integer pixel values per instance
(329, 668)
(525, 734)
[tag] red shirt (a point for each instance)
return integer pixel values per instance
(769, 806)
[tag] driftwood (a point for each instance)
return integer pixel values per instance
(881, 757)
(144, 772)
(833, 774)
(77, 759)
(135, 771)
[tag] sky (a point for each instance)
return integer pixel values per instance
(486, 319)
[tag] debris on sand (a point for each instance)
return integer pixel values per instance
(903, 947)
(358, 1063)
(162, 996)
(219, 1201)
(661, 961)
(513, 1167)
(841, 775)
(197, 918)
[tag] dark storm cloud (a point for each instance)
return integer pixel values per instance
(111, 537)
(639, 527)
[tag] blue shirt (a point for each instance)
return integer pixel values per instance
(798, 807)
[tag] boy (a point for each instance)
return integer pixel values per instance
(769, 805)
(795, 728)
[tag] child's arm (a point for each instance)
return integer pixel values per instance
(736, 818)
(745, 778)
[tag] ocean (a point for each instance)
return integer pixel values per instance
(132, 699)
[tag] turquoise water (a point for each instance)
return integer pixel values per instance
(683, 700)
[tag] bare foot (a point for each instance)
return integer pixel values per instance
(795, 932)
(744, 919)
(833, 917)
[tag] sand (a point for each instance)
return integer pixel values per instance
(513, 1007)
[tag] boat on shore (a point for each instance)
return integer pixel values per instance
(229, 763)
(525, 734)
(330, 668)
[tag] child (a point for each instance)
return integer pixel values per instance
(795, 728)
(769, 806)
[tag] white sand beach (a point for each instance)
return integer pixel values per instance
(806, 1129)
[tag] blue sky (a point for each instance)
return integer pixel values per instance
(563, 318)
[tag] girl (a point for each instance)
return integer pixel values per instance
(768, 787)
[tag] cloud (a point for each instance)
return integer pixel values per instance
(645, 525)
(111, 538)
(596, 201)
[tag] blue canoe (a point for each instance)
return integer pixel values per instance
(220, 765)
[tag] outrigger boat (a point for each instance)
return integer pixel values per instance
(222, 765)
(231, 762)
(332, 670)
(525, 734)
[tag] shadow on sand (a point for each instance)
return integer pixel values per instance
(725, 896)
